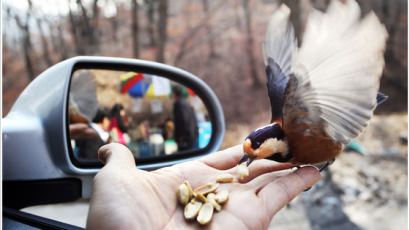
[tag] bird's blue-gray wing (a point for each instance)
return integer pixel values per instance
(279, 47)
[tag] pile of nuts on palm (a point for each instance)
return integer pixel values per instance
(201, 201)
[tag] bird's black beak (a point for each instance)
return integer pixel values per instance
(248, 158)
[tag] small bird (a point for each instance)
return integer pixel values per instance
(324, 92)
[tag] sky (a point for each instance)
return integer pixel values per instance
(59, 7)
(50, 9)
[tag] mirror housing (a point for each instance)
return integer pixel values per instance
(36, 144)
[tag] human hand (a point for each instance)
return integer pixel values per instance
(81, 131)
(128, 198)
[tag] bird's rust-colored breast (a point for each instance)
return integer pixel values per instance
(310, 146)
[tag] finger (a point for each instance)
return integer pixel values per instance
(261, 181)
(282, 190)
(263, 166)
(116, 155)
(224, 159)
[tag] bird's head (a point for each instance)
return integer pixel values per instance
(266, 142)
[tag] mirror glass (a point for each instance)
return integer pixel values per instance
(152, 115)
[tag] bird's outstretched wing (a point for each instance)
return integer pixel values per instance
(279, 47)
(335, 74)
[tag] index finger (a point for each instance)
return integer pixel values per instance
(281, 191)
(224, 159)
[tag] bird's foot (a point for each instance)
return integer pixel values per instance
(325, 166)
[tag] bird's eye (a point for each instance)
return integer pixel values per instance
(259, 136)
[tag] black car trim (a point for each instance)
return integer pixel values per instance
(36, 221)
(20, 194)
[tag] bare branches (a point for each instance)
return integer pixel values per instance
(26, 40)
(184, 48)
(249, 44)
(44, 43)
(134, 29)
(162, 29)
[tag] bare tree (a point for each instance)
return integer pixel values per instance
(150, 6)
(27, 47)
(162, 29)
(44, 44)
(63, 47)
(57, 39)
(86, 27)
(95, 29)
(184, 45)
(249, 44)
(134, 29)
(114, 23)
(208, 28)
(79, 46)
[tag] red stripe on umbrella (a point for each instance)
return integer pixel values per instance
(127, 86)
(190, 91)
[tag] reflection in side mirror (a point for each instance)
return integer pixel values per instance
(152, 115)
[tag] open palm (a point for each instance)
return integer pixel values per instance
(128, 198)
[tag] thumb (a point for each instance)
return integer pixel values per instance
(116, 155)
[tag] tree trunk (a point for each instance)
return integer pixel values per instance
(95, 30)
(61, 42)
(27, 48)
(249, 44)
(208, 29)
(134, 29)
(162, 29)
(87, 29)
(79, 46)
(44, 44)
(151, 22)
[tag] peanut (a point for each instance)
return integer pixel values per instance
(211, 199)
(191, 193)
(224, 178)
(205, 214)
(222, 196)
(183, 194)
(206, 188)
(242, 171)
(200, 197)
(191, 210)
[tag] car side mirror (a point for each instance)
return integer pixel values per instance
(37, 144)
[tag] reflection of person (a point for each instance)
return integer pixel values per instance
(81, 131)
(186, 129)
(168, 129)
(101, 123)
(121, 191)
(88, 147)
(118, 126)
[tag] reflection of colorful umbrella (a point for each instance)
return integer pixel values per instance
(139, 89)
(144, 85)
(128, 80)
(190, 91)
(186, 92)
(160, 87)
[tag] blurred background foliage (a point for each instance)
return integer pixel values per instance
(219, 41)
